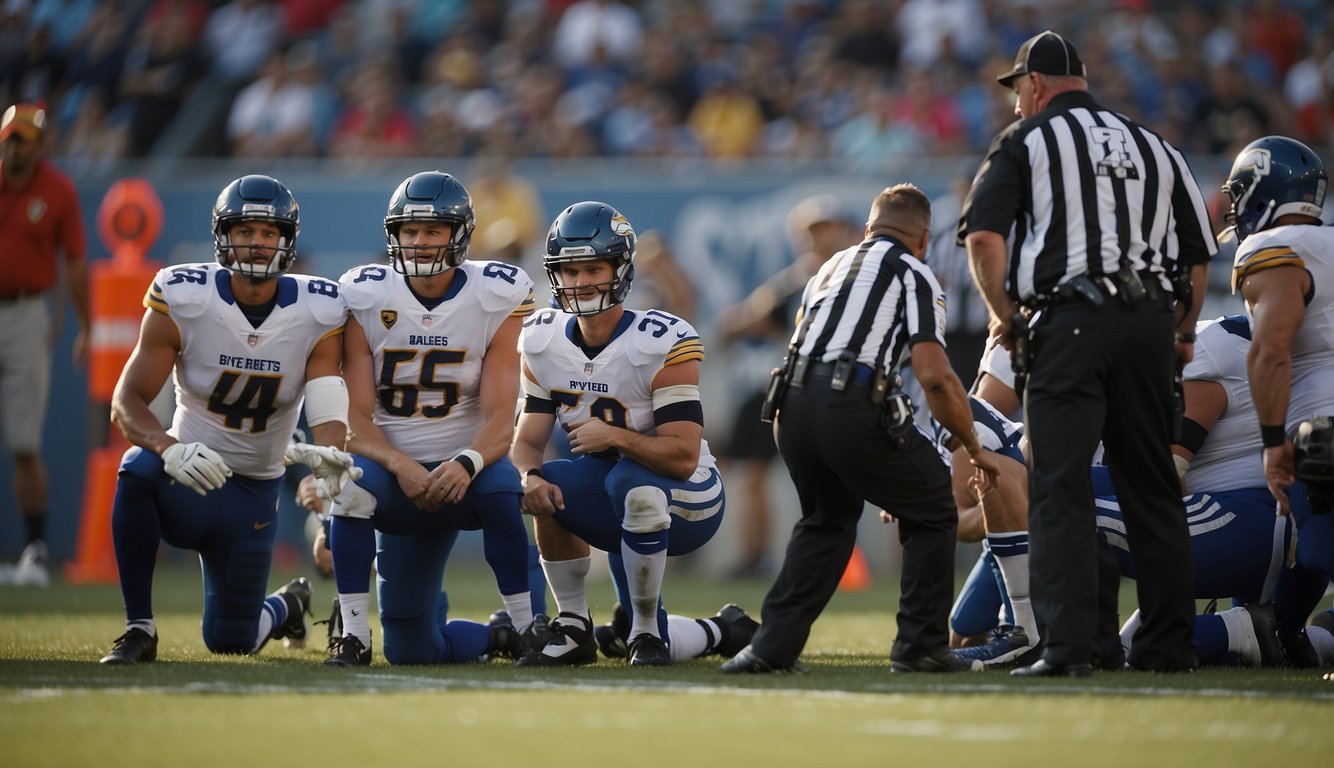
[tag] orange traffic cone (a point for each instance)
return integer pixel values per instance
(857, 576)
(94, 557)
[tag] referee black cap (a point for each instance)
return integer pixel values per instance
(1047, 53)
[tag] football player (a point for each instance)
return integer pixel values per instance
(1284, 269)
(624, 384)
(432, 364)
(248, 342)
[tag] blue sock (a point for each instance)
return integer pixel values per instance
(352, 542)
(1210, 638)
(136, 534)
(537, 581)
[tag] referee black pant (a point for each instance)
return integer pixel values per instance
(840, 457)
(1105, 373)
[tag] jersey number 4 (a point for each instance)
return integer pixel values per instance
(256, 401)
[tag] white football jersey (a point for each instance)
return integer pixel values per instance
(1230, 456)
(239, 388)
(616, 384)
(428, 362)
(1312, 248)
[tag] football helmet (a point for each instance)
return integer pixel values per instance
(261, 198)
(583, 232)
(1272, 177)
(436, 196)
(1313, 461)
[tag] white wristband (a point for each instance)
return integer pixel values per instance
(471, 461)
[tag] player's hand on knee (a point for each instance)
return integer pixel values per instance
(331, 467)
(196, 466)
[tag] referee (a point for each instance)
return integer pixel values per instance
(845, 442)
(1109, 229)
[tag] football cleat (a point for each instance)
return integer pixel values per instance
(296, 594)
(747, 662)
(612, 638)
(134, 647)
(536, 635)
(335, 626)
(31, 568)
(940, 660)
(649, 651)
(1007, 644)
(349, 652)
(505, 640)
(571, 643)
(1268, 650)
(738, 628)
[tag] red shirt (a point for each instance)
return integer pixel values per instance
(36, 220)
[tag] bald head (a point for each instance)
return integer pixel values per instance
(902, 212)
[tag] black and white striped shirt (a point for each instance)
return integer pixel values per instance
(1087, 191)
(876, 298)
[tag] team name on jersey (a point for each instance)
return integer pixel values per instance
(249, 363)
(588, 386)
(428, 341)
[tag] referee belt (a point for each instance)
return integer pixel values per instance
(861, 372)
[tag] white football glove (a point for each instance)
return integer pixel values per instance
(196, 466)
(332, 468)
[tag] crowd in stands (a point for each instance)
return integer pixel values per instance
(860, 81)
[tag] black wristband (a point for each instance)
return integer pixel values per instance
(535, 472)
(1272, 435)
(1186, 337)
(467, 463)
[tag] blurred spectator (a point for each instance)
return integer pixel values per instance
(62, 19)
(593, 31)
(931, 112)
(1278, 32)
(373, 124)
(302, 18)
(96, 60)
(1309, 88)
(1227, 107)
(93, 142)
(727, 121)
(932, 29)
(755, 333)
(239, 38)
(865, 35)
(196, 13)
(159, 73)
(509, 212)
(38, 70)
(660, 283)
(275, 115)
(873, 136)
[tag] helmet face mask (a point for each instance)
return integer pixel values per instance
(429, 197)
(262, 199)
(1272, 177)
(591, 231)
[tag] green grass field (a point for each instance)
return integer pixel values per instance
(58, 707)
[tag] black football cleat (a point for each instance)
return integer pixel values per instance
(746, 662)
(570, 644)
(738, 628)
(613, 639)
(349, 652)
(134, 647)
(297, 595)
(940, 660)
(649, 651)
(505, 642)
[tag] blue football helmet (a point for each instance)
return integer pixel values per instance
(1272, 177)
(256, 198)
(434, 196)
(583, 232)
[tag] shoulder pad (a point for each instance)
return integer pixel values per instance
(1265, 250)
(540, 328)
(364, 287)
(326, 301)
(659, 334)
(501, 286)
(186, 289)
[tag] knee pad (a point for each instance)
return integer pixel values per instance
(646, 510)
(354, 501)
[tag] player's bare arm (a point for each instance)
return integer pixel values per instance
(144, 375)
(530, 444)
(986, 260)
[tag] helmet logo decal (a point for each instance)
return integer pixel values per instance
(1257, 160)
(258, 208)
(621, 226)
